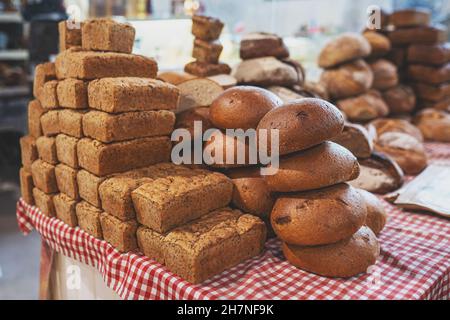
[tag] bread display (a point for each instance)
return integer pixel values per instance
(262, 44)
(343, 259)
(345, 48)
(434, 125)
(242, 107)
(379, 43)
(376, 214)
(65, 209)
(385, 74)
(400, 99)
(365, 107)
(356, 139)
(436, 55)
(46, 147)
(107, 35)
(410, 18)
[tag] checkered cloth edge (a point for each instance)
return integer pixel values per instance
(414, 263)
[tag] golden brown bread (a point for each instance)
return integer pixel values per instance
(343, 259)
(324, 165)
(376, 214)
(429, 74)
(365, 107)
(252, 195)
(432, 93)
(385, 74)
(348, 80)
(396, 125)
(400, 99)
(436, 55)
(319, 217)
(303, 123)
(434, 124)
(344, 48)
(443, 105)
(379, 43)
(356, 139)
(242, 107)
(187, 119)
(174, 78)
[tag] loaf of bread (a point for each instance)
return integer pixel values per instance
(108, 128)
(107, 35)
(89, 185)
(385, 74)
(66, 179)
(35, 111)
(120, 234)
(43, 73)
(187, 119)
(105, 159)
(429, 74)
(242, 107)
(343, 259)
(65, 208)
(48, 95)
(66, 149)
(205, 69)
(319, 217)
(365, 107)
(379, 43)
(168, 203)
(432, 93)
(29, 151)
(89, 219)
(89, 65)
(69, 34)
(303, 124)
(70, 122)
(46, 147)
(262, 44)
(344, 48)
(44, 202)
(376, 214)
(206, 28)
(428, 35)
(410, 17)
(398, 56)
(400, 99)
(436, 55)
(226, 81)
(397, 125)
(26, 186)
(285, 94)
(207, 246)
(72, 93)
(357, 139)
(50, 123)
(197, 93)
(44, 177)
(434, 124)
(252, 195)
(208, 52)
(443, 104)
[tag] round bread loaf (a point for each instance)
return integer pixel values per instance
(186, 120)
(365, 107)
(410, 18)
(319, 217)
(434, 124)
(324, 165)
(343, 259)
(385, 74)
(175, 78)
(356, 139)
(302, 124)
(344, 48)
(242, 107)
(252, 195)
(396, 125)
(400, 99)
(348, 80)
(380, 44)
(376, 214)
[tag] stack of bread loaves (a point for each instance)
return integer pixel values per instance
(349, 78)
(102, 125)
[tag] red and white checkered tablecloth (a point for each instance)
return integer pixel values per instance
(414, 263)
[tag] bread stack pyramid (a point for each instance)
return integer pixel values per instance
(98, 157)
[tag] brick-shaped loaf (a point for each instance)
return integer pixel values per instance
(66, 178)
(207, 51)
(66, 149)
(107, 35)
(89, 65)
(44, 202)
(107, 128)
(26, 186)
(29, 152)
(88, 187)
(71, 122)
(206, 28)
(43, 73)
(35, 111)
(168, 203)
(116, 95)
(89, 219)
(65, 209)
(44, 177)
(50, 123)
(69, 34)
(49, 96)
(204, 69)
(207, 246)
(46, 147)
(105, 159)
(72, 94)
(120, 234)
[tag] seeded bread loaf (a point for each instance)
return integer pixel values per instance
(35, 111)
(44, 202)
(170, 202)
(71, 122)
(107, 35)
(89, 65)
(66, 149)
(29, 152)
(69, 34)
(89, 185)
(207, 246)
(50, 123)
(44, 177)
(65, 209)
(26, 186)
(105, 159)
(66, 178)
(43, 73)
(46, 147)
(120, 234)
(89, 219)
(108, 128)
(72, 94)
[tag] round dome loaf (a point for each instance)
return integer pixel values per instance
(400, 99)
(385, 74)
(380, 44)
(252, 195)
(365, 107)
(343, 259)
(302, 124)
(319, 217)
(344, 48)
(242, 107)
(376, 214)
(396, 125)
(324, 165)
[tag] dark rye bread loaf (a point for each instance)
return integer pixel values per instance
(252, 195)
(319, 217)
(357, 139)
(436, 55)
(343, 259)
(410, 17)
(303, 123)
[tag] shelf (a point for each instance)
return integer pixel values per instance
(15, 91)
(14, 55)
(10, 17)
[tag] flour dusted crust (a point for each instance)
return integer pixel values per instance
(344, 48)
(66, 179)
(107, 35)
(65, 208)
(434, 124)
(120, 234)
(397, 125)
(44, 177)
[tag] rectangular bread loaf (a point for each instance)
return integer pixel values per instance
(44, 177)
(65, 208)
(71, 122)
(66, 178)
(69, 34)
(35, 111)
(29, 152)
(105, 159)
(43, 73)
(206, 28)
(88, 185)
(66, 149)
(72, 94)
(108, 35)
(167, 203)
(116, 95)
(44, 202)
(120, 234)
(108, 128)
(89, 65)
(49, 96)
(46, 147)
(207, 246)
(50, 123)
(89, 219)
(208, 52)
(26, 186)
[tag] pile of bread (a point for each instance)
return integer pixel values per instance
(98, 157)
